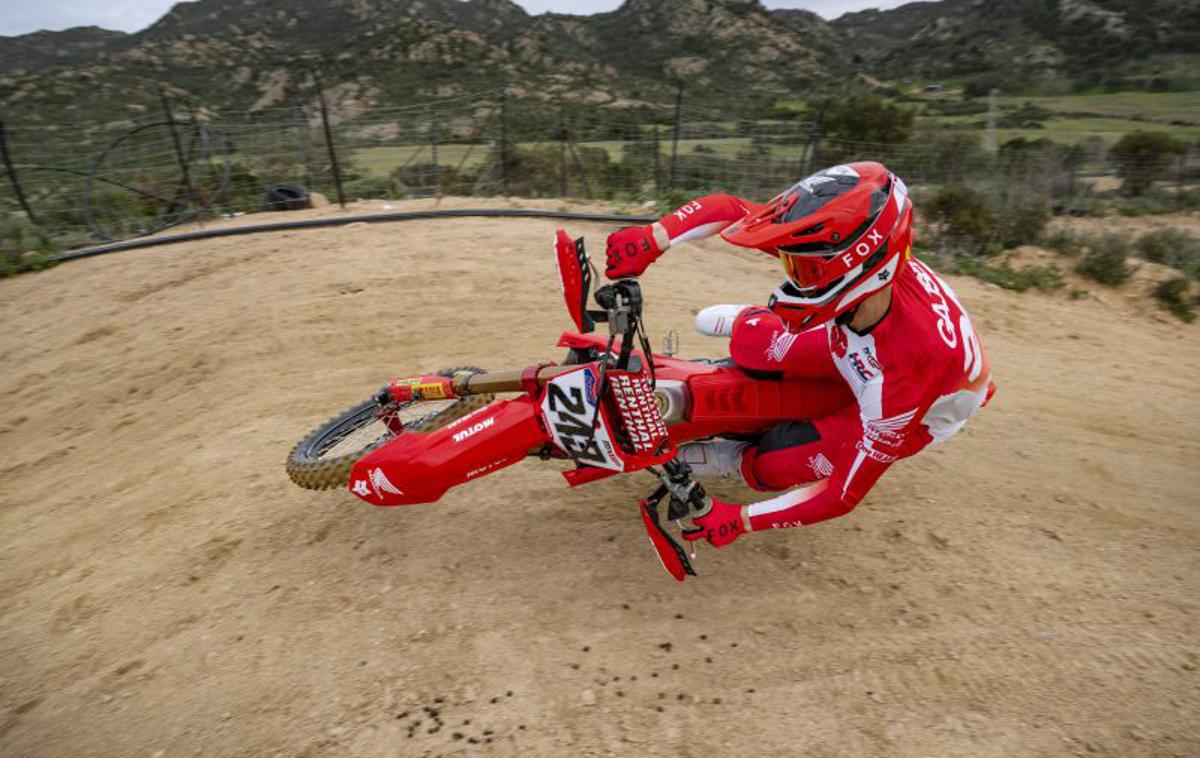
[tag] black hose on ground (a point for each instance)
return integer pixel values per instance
(317, 223)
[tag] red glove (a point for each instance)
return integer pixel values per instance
(720, 526)
(630, 251)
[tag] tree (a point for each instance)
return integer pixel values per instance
(1141, 158)
(846, 123)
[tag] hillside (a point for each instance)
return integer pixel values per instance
(1023, 42)
(228, 54)
(41, 50)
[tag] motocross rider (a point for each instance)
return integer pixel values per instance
(856, 305)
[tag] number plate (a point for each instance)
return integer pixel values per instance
(568, 406)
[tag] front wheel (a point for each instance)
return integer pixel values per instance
(324, 458)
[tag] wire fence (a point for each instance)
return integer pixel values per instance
(73, 184)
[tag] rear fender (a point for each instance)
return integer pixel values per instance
(419, 467)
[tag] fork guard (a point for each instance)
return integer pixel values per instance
(419, 467)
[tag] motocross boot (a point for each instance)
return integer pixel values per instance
(717, 320)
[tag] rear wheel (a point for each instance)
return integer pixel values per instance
(324, 458)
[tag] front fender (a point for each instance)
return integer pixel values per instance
(419, 467)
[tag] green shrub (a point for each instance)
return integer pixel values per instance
(951, 155)
(974, 222)
(371, 186)
(1044, 278)
(1141, 157)
(962, 213)
(1174, 295)
(427, 178)
(966, 107)
(1106, 260)
(1062, 239)
(1171, 247)
(1151, 202)
(22, 246)
(1027, 116)
(1021, 225)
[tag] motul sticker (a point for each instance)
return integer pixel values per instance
(474, 429)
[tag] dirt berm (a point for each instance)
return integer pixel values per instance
(1028, 589)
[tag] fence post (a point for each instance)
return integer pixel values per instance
(178, 146)
(562, 151)
(814, 141)
(433, 149)
(989, 140)
(587, 185)
(675, 138)
(1179, 173)
(504, 141)
(12, 175)
(658, 188)
(333, 159)
(302, 144)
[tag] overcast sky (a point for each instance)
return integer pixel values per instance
(21, 16)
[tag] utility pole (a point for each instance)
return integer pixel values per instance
(562, 151)
(302, 143)
(12, 175)
(990, 136)
(185, 176)
(433, 147)
(658, 188)
(504, 141)
(675, 138)
(333, 159)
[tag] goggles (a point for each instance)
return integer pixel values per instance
(805, 270)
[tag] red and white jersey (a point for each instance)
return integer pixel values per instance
(921, 371)
(917, 376)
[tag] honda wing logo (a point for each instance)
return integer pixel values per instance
(380, 483)
(888, 431)
(781, 343)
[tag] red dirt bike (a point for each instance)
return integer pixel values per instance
(613, 407)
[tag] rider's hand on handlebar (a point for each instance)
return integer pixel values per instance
(630, 251)
(721, 525)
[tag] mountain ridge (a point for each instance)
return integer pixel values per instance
(247, 55)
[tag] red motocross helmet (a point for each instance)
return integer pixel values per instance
(842, 235)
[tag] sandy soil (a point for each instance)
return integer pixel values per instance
(1028, 589)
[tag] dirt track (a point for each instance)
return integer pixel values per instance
(1028, 589)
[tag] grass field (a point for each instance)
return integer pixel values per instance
(1067, 129)
(1072, 130)
(381, 161)
(1081, 117)
(1156, 106)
